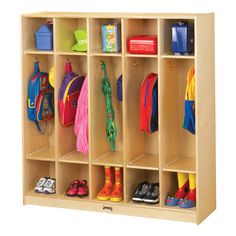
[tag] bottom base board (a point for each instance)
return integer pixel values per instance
(116, 208)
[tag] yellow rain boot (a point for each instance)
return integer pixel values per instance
(190, 200)
(105, 192)
(117, 193)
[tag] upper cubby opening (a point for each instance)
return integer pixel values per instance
(65, 34)
(66, 136)
(139, 27)
(29, 27)
(38, 146)
(96, 34)
(182, 34)
(142, 148)
(178, 144)
(101, 151)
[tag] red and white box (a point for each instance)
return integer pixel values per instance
(143, 44)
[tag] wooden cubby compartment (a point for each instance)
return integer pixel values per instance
(178, 144)
(96, 34)
(136, 176)
(38, 146)
(168, 188)
(166, 32)
(136, 27)
(101, 151)
(69, 172)
(34, 171)
(65, 29)
(30, 26)
(66, 136)
(142, 149)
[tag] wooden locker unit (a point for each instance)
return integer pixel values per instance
(156, 157)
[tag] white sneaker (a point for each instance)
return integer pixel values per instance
(39, 188)
(50, 186)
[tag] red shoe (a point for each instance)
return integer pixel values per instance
(73, 188)
(82, 189)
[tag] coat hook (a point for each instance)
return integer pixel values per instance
(171, 64)
(36, 59)
(135, 64)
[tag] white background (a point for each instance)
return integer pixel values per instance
(17, 219)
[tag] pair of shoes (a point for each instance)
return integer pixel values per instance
(185, 196)
(78, 188)
(46, 185)
(146, 192)
(110, 190)
(180, 194)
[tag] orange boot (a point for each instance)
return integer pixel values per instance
(117, 193)
(105, 192)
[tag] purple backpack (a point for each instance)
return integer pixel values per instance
(68, 95)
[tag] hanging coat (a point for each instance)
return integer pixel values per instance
(81, 119)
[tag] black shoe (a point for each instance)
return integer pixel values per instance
(141, 191)
(152, 197)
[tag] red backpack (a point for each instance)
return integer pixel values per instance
(149, 104)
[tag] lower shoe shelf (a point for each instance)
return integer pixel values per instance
(32, 193)
(64, 196)
(126, 208)
(130, 203)
(177, 208)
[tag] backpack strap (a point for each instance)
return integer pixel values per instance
(36, 67)
(42, 131)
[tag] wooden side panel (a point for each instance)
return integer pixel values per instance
(205, 116)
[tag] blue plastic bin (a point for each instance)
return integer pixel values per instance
(44, 37)
(182, 38)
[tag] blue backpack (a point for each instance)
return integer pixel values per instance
(119, 88)
(40, 98)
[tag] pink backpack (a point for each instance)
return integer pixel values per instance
(81, 119)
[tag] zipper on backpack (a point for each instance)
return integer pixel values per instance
(67, 88)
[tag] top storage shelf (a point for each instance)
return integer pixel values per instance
(64, 31)
(140, 27)
(33, 25)
(96, 25)
(177, 38)
(65, 34)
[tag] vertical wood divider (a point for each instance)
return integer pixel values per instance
(89, 107)
(205, 115)
(56, 114)
(23, 110)
(160, 45)
(123, 43)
